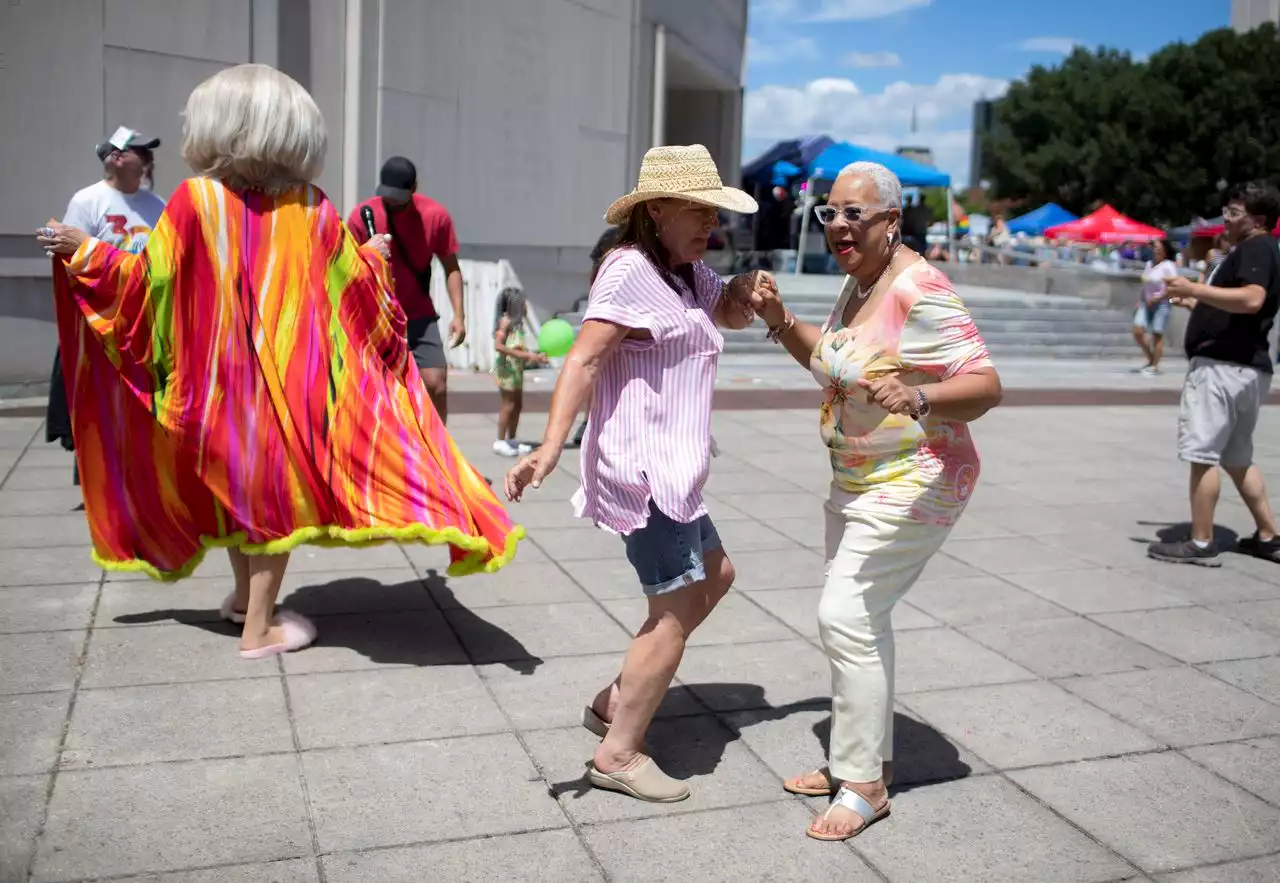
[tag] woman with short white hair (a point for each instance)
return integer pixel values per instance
(905, 371)
(244, 382)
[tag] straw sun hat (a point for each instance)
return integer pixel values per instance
(681, 173)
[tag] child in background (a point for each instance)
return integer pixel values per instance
(508, 369)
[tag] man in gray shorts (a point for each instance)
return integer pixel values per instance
(1229, 376)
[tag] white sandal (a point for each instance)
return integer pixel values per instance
(851, 800)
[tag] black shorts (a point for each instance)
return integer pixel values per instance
(425, 343)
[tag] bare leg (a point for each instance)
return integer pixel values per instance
(1157, 349)
(506, 426)
(1205, 486)
(605, 704)
(517, 405)
(240, 567)
(437, 383)
(266, 573)
(1140, 335)
(1253, 490)
(651, 663)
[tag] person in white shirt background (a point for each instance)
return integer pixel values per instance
(120, 211)
(1152, 315)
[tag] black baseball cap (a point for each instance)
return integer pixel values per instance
(125, 138)
(398, 179)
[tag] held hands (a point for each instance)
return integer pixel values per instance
(529, 471)
(537, 358)
(891, 394)
(765, 301)
(56, 238)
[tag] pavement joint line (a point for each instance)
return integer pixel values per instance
(596, 861)
(1220, 777)
(81, 662)
(307, 806)
(133, 875)
(717, 716)
(1004, 774)
(9, 472)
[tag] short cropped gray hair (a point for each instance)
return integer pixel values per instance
(888, 187)
(254, 128)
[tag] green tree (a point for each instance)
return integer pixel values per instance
(1152, 138)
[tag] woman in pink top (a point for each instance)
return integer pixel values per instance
(647, 357)
(905, 370)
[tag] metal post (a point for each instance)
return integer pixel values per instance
(951, 223)
(804, 225)
(659, 86)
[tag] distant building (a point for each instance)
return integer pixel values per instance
(1249, 14)
(525, 119)
(922, 155)
(984, 124)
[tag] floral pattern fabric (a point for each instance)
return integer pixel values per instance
(923, 471)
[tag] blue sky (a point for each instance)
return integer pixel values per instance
(855, 69)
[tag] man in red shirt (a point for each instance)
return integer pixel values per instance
(420, 229)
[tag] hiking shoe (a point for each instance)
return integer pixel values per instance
(1185, 552)
(1269, 550)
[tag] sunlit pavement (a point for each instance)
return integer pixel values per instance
(1067, 709)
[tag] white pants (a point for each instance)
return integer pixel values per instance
(871, 563)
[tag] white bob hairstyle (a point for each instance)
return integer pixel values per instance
(254, 128)
(888, 187)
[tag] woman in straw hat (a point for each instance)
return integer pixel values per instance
(244, 382)
(647, 353)
(905, 371)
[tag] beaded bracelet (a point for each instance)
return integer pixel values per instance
(775, 334)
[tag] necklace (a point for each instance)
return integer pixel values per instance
(864, 293)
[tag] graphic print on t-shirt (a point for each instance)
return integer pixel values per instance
(122, 220)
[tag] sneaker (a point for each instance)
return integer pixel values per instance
(1149, 371)
(524, 448)
(1269, 550)
(1185, 552)
(505, 448)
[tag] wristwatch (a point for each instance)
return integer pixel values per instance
(922, 404)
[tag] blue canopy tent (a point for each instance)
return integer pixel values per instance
(827, 164)
(797, 151)
(784, 173)
(1034, 223)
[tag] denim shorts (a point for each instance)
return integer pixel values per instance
(669, 555)
(1152, 317)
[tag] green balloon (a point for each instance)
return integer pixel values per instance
(555, 337)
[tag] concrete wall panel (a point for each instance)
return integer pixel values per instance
(51, 102)
(190, 28)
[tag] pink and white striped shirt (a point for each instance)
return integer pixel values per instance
(649, 431)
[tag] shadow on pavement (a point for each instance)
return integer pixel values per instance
(1224, 538)
(372, 628)
(690, 746)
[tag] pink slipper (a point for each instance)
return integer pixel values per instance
(299, 632)
(229, 612)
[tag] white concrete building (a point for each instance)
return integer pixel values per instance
(1249, 14)
(525, 117)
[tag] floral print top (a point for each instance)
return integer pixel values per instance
(925, 470)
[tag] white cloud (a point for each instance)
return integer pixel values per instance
(832, 10)
(882, 120)
(862, 10)
(1055, 45)
(872, 59)
(787, 50)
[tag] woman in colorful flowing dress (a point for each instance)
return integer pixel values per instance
(244, 382)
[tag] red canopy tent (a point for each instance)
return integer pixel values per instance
(1105, 225)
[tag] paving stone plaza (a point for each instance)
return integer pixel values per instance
(1067, 709)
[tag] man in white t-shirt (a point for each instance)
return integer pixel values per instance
(119, 211)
